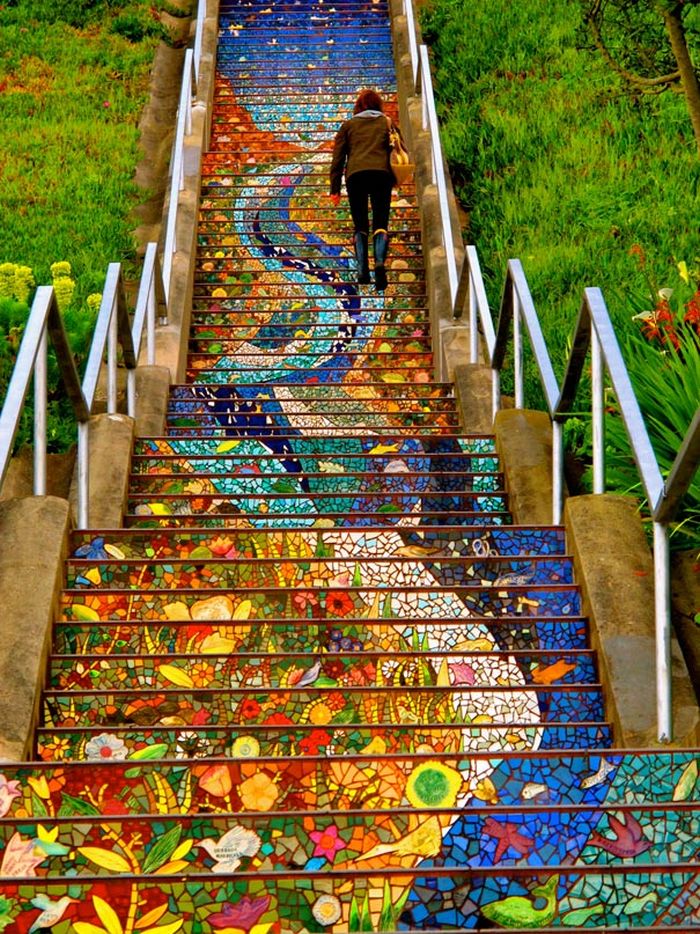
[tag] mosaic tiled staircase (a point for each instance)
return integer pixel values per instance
(319, 681)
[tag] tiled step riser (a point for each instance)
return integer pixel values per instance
(356, 739)
(210, 247)
(310, 572)
(311, 635)
(365, 901)
(358, 399)
(149, 518)
(328, 483)
(339, 669)
(227, 425)
(448, 509)
(328, 476)
(283, 291)
(347, 446)
(501, 542)
(426, 602)
(502, 704)
(351, 837)
(530, 781)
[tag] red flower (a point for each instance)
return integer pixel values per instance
(278, 719)
(339, 603)
(333, 669)
(311, 744)
(250, 708)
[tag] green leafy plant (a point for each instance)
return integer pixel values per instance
(662, 352)
(555, 163)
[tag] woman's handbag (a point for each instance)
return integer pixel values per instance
(399, 159)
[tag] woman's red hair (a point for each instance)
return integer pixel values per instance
(368, 100)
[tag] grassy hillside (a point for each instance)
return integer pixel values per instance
(558, 164)
(73, 82)
(555, 161)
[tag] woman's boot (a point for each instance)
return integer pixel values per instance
(381, 247)
(362, 257)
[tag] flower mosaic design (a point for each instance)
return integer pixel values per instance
(321, 678)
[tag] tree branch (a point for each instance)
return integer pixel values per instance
(631, 77)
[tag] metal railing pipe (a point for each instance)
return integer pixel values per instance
(597, 414)
(412, 43)
(41, 392)
(517, 349)
(112, 359)
(662, 616)
(439, 172)
(177, 181)
(681, 473)
(198, 38)
(83, 458)
(642, 450)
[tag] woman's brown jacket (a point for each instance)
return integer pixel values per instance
(361, 143)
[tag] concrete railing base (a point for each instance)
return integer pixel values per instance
(473, 393)
(524, 443)
(614, 567)
(111, 442)
(32, 550)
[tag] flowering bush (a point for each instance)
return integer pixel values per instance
(666, 324)
(16, 292)
(663, 358)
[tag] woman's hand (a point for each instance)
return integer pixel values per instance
(335, 200)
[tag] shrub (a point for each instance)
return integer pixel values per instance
(662, 352)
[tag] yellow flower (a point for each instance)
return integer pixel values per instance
(319, 713)
(258, 793)
(245, 747)
(433, 785)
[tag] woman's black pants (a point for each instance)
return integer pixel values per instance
(370, 187)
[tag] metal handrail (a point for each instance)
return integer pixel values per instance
(151, 303)
(44, 322)
(112, 331)
(199, 38)
(177, 181)
(430, 122)
(594, 332)
(188, 92)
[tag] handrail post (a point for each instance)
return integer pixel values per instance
(495, 392)
(40, 402)
(662, 612)
(151, 321)
(557, 471)
(473, 314)
(412, 44)
(517, 349)
(177, 181)
(112, 343)
(198, 37)
(83, 474)
(439, 174)
(597, 413)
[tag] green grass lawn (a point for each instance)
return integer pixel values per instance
(70, 101)
(559, 165)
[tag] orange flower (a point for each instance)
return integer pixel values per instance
(216, 781)
(258, 793)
